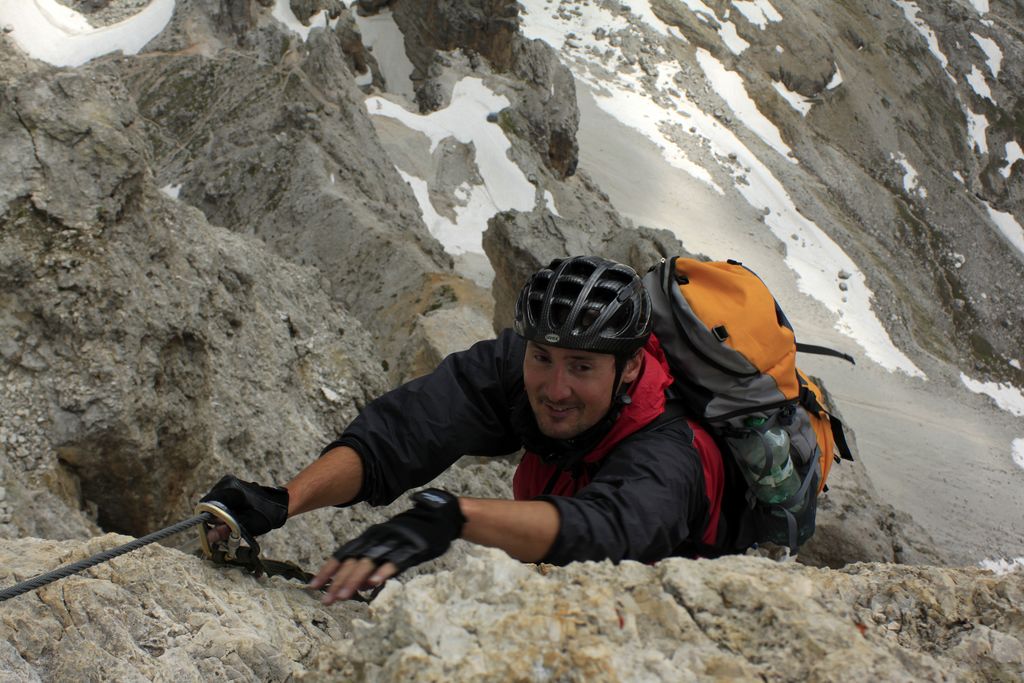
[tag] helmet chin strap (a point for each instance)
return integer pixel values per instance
(618, 388)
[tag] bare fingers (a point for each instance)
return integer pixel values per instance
(218, 533)
(350, 576)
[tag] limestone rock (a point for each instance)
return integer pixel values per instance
(299, 166)
(158, 613)
(147, 352)
(731, 619)
(305, 9)
(452, 319)
(544, 112)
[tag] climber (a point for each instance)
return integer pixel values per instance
(611, 469)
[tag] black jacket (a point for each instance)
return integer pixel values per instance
(646, 501)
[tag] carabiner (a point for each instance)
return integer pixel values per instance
(227, 549)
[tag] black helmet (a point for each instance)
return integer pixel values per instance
(587, 303)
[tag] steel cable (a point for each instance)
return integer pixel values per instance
(75, 567)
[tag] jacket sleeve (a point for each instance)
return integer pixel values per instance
(411, 434)
(646, 500)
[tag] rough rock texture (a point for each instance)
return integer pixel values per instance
(360, 60)
(176, 618)
(448, 321)
(275, 142)
(492, 618)
(544, 113)
(731, 619)
(145, 352)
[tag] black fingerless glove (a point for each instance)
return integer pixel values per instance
(258, 509)
(412, 537)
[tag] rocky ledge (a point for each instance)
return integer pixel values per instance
(160, 614)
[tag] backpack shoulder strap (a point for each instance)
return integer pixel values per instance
(809, 401)
(824, 351)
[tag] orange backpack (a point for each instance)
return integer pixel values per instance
(733, 354)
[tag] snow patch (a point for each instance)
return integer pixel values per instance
(171, 190)
(1009, 226)
(836, 80)
(758, 12)
(729, 86)
(910, 181)
(1002, 566)
(330, 395)
(1018, 453)
(795, 99)
(980, 5)
(910, 10)
(1006, 396)
(726, 29)
(1015, 363)
(549, 201)
(976, 79)
(733, 41)
(58, 35)
(994, 56)
(465, 119)
(1013, 153)
(977, 127)
(956, 174)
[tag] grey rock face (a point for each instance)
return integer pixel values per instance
(147, 352)
(544, 112)
(729, 619)
(282, 148)
(492, 618)
(158, 614)
(305, 9)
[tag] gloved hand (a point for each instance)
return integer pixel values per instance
(406, 540)
(256, 508)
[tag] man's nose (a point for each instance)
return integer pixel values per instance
(558, 388)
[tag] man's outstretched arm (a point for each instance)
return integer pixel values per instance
(332, 479)
(525, 529)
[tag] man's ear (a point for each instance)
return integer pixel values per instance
(633, 365)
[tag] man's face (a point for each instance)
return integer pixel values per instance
(570, 390)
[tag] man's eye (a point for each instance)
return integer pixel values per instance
(540, 358)
(582, 368)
